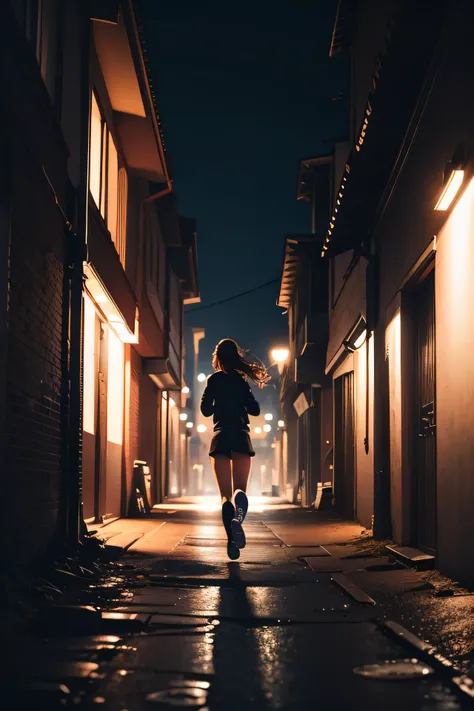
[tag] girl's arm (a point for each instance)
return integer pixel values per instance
(252, 406)
(207, 400)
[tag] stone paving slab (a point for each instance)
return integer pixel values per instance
(335, 565)
(390, 583)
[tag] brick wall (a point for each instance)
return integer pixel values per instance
(34, 416)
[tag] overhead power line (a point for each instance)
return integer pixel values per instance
(236, 296)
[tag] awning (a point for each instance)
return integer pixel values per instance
(121, 52)
(162, 373)
(292, 255)
(398, 82)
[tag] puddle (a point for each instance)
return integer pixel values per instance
(395, 670)
(182, 694)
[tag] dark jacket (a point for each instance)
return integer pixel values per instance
(229, 399)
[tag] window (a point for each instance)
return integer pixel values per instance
(39, 20)
(107, 182)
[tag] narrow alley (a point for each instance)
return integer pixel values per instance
(297, 623)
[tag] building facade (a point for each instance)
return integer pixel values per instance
(306, 400)
(96, 267)
(399, 247)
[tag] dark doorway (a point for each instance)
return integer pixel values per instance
(344, 445)
(425, 415)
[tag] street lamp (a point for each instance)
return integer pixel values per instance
(279, 355)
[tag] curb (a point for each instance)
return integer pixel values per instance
(429, 654)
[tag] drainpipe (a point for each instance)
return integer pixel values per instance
(76, 526)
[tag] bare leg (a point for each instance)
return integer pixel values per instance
(223, 473)
(241, 464)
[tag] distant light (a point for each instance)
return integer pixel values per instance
(189, 425)
(267, 428)
(201, 377)
(172, 402)
(281, 423)
(279, 355)
(361, 340)
(183, 437)
(185, 390)
(450, 190)
(183, 417)
(258, 430)
(201, 428)
(269, 416)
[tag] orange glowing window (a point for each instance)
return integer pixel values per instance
(107, 181)
(95, 156)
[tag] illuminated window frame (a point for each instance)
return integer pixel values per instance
(108, 182)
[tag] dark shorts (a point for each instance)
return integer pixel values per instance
(226, 442)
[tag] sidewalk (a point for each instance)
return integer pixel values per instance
(282, 628)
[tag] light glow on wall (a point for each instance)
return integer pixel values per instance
(107, 306)
(89, 399)
(115, 390)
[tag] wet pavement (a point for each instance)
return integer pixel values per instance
(172, 623)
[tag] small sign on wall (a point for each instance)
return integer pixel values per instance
(301, 404)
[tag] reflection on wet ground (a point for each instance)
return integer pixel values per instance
(189, 629)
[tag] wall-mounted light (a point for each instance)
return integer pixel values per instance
(357, 336)
(450, 190)
(453, 178)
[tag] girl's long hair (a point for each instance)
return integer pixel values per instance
(228, 356)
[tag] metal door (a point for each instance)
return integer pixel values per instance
(344, 444)
(425, 414)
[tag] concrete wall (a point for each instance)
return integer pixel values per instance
(364, 459)
(455, 388)
(349, 305)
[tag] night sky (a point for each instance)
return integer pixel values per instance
(245, 90)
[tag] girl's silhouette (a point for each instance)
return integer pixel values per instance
(229, 399)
